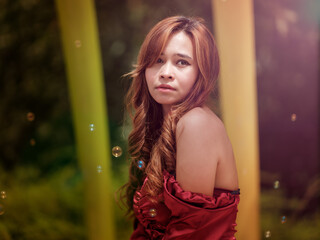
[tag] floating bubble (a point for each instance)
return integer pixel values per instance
(116, 151)
(244, 171)
(91, 127)
(293, 117)
(152, 212)
(3, 195)
(77, 43)
(99, 169)
(140, 164)
(30, 116)
(117, 48)
(1, 209)
(282, 26)
(283, 219)
(32, 142)
(268, 234)
(276, 184)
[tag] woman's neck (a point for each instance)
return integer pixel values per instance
(166, 109)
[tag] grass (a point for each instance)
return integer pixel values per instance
(49, 207)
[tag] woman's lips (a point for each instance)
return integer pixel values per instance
(165, 88)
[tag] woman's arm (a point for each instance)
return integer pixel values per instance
(197, 216)
(201, 143)
(139, 232)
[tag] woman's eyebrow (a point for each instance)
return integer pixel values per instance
(180, 55)
(183, 55)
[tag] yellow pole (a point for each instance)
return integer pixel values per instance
(85, 78)
(234, 31)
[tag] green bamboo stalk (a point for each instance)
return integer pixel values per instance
(85, 78)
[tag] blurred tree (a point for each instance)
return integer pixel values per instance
(32, 80)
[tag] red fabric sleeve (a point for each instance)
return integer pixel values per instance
(197, 216)
(139, 232)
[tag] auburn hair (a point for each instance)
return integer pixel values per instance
(152, 142)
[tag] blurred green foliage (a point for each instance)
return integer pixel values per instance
(49, 207)
(279, 217)
(42, 207)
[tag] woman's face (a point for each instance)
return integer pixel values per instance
(171, 78)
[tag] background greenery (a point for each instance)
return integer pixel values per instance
(38, 164)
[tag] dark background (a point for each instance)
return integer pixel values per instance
(38, 165)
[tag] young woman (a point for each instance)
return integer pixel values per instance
(183, 179)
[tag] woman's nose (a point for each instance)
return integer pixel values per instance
(166, 71)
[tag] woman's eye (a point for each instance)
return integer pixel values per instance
(159, 60)
(183, 62)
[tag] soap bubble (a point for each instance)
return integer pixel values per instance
(116, 151)
(276, 184)
(117, 48)
(32, 142)
(244, 171)
(152, 212)
(77, 43)
(3, 195)
(268, 234)
(140, 164)
(30, 116)
(91, 127)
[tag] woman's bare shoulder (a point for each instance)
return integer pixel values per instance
(201, 118)
(201, 143)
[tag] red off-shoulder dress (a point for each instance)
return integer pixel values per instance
(185, 215)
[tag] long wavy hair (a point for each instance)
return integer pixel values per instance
(152, 142)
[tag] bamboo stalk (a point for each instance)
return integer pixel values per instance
(234, 31)
(85, 79)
